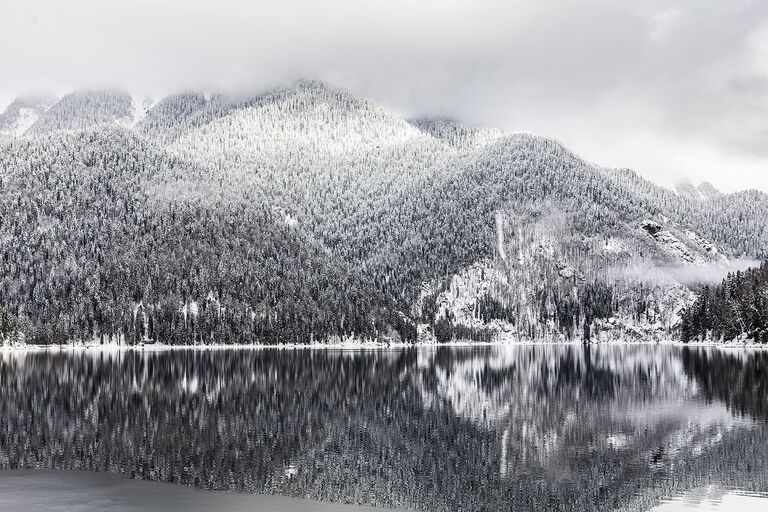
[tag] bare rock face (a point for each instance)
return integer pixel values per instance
(652, 227)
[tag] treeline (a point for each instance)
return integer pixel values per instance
(738, 307)
(302, 215)
(90, 254)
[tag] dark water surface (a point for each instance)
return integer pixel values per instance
(459, 429)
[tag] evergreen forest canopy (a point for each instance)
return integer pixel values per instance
(305, 214)
(737, 307)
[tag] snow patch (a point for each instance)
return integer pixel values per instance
(614, 246)
(26, 118)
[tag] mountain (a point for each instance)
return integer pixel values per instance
(310, 120)
(735, 222)
(22, 113)
(89, 109)
(707, 191)
(306, 213)
(687, 190)
(704, 192)
(174, 115)
(456, 134)
(110, 247)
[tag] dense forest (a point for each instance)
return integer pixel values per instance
(305, 214)
(738, 307)
(94, 256)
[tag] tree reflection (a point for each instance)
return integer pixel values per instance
(541, 428)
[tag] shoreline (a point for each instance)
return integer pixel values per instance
(159, 347)
(99, 491)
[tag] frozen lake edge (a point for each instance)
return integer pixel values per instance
(86, 491)
(158, 347)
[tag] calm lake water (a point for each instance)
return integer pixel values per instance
(442, 429)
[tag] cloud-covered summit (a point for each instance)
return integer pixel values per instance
(673, 89)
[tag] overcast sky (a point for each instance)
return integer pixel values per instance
(673, 89)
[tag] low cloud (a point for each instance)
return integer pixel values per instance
(673, 89)
(707, 274)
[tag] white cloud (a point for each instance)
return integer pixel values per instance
(666, 87)
(662, 22)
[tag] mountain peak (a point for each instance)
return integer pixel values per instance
(703, 192)
(308, 117)
(310, 93)
(86, 109)
(455, 134)
(707, 190)
(314, 85)
(23, 112)
(685, 188)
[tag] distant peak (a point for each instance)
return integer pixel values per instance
(457, 134)
(87, 108)
(312, 84)
(97, 93)
(32, 101)
(685, 188)
(23, 112)
(313, 88)
(707, 190)
(430, 122)
(703, 192)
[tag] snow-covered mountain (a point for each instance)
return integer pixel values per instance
(456, 134)
(641, 420)
(703, 192)
(84, 110)
(707, 190)
(305, 213)
(22, 113)
(311, 119)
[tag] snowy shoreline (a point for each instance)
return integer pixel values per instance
(159, 347)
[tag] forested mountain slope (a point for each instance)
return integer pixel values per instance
(95, 246)
(456, 134)
(737, 307)
(308, 214)
(89, 109)
(737, 221)
(22, 113)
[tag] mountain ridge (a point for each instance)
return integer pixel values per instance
(403, 230)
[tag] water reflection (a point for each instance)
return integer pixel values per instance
(537, 427)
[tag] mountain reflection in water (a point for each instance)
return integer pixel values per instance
(478, 428)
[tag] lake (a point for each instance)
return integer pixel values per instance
(541, 427)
